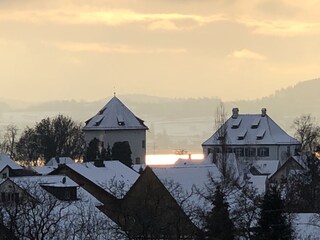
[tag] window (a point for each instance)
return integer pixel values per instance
(239, 152)
(260, 134)
(4, 175)
(217, 150)
(255, 123)
(242, 134)
(98, 120)
(10, 197)
(229, 150)
(263, 152)
(143, 144)
(120, 120)
(138, 160)
(67, 195)
(236, 123)
(288, 151)
(250, 152)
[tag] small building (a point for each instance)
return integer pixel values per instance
(140, 204)
(7, 165)
(292, 165)
(252, 137)
(55, 161)
(116, 123)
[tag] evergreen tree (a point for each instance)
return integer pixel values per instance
(121, 151)
(93, 151)
(274, 222)
(108, 153)
(218, 225)
(303, 187)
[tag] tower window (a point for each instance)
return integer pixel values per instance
(120, 120)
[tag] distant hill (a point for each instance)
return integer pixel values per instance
(288, 103)
(180, 122)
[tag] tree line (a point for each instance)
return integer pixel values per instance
(59, 136)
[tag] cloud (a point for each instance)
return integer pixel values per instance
(115, 17)
(283, 28)
(112, 48)
(163, 25)
(247, 54)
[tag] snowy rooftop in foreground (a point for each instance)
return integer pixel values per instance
(44, 170)
(114, 116)
(253, 129)
(266, 166)
(5, 160)
(187, 176)
(33, 185)
(103, 176)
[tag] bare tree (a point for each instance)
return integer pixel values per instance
(9, 141)
(307, 132)
(221, 130)
(37, 214)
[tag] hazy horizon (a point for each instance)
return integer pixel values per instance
(229, 49)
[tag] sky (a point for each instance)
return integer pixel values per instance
(86, 50)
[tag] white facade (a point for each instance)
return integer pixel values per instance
(252, 137)
(116, 123)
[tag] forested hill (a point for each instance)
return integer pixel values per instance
(302, 98)
(283, 105)
(175, 123)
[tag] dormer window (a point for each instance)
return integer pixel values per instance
(120, 120)
(98, 120)
(242, 134)
(101, 111)
(260, 134)
(236, 123)
(64, 193)
(255, 123)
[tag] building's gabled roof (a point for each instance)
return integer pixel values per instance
(251, 129)
(5, 160)
(266, 167)
(106, 177)
(114, 116)
(55, 161)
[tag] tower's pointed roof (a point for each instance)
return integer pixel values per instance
(114, 116)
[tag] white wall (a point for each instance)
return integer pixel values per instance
(134, 137)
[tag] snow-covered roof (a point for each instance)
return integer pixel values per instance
(52, 180)
(258, 182)
(251, 129)
(55, 161)
(5, 160)
(73, 213)
(44, 170)
(268, 167)
(114, 116)
(113, 172)
(187, 176)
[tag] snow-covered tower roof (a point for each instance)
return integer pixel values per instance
(115, 116)
(251, 129)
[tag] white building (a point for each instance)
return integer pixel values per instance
(252, 137)
(116, 123)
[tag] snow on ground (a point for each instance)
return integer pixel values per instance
(306, 226)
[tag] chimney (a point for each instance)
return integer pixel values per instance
(235, 112)
(263, 112)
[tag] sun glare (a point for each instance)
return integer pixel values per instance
(167, 159)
